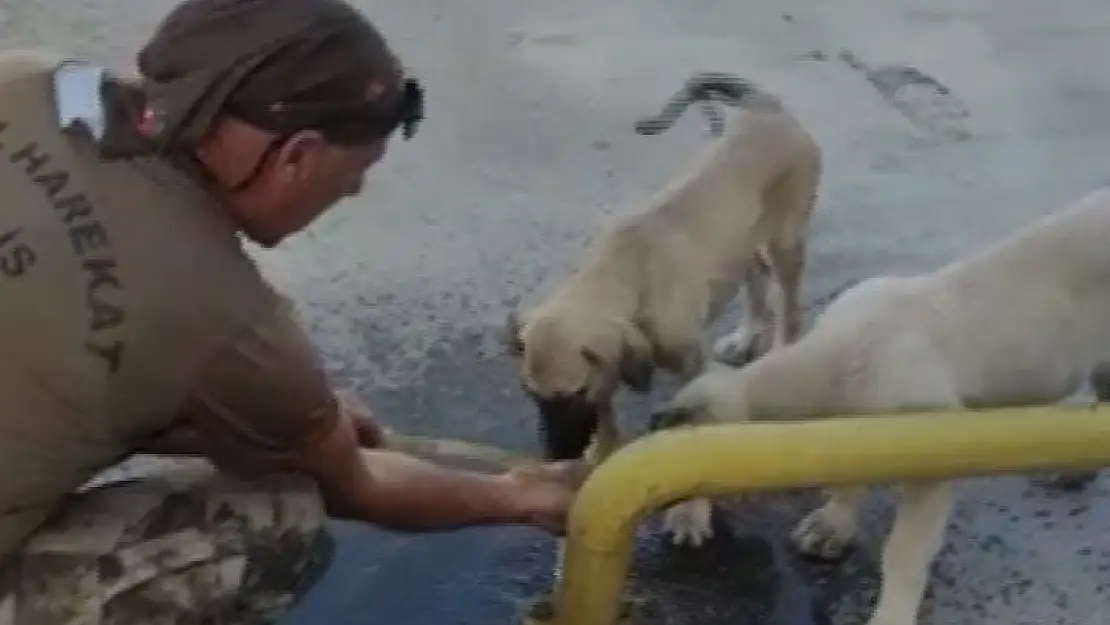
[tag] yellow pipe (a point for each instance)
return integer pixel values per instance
(658, 469)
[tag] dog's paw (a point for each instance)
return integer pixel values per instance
(690, 522)
(1067, 480)
(816, 537)
(740, 347)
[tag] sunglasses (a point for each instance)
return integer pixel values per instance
(349, 124)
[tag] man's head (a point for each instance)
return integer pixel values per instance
(571, 367)
(285, 103)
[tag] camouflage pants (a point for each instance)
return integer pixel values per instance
(188, 547)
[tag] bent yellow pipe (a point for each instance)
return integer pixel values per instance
(656, 470)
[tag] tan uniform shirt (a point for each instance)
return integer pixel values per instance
(126, 302)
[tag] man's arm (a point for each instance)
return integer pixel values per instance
(264, 403)
(403, 493)
(182, 439)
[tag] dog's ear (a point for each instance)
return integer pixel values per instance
(637, 362)
(624, 348)
(511, 334)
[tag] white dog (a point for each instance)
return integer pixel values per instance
(1024, 321)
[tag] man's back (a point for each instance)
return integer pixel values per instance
(118, 281)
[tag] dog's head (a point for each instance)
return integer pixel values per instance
(713, 397)
(571, 368)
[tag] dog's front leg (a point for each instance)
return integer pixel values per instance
(827, 532)
(605, 442)
(915, 539)
(690, 522)
(1099, 380)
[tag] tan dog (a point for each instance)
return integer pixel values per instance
(1019, 322)
(651, 282)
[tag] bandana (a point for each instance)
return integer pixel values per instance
(279, 65)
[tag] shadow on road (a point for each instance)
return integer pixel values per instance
(486, 576)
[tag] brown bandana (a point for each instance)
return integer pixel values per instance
(281, 65)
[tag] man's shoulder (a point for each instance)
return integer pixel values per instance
(28, 59)
(151, 219)
(19, 63)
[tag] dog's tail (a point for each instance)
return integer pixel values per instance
(706, 88)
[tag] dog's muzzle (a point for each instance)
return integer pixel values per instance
(567, 424)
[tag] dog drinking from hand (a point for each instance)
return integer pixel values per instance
(652, 281)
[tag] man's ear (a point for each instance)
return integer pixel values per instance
(637, 362)
(511, 334)
(298, 155)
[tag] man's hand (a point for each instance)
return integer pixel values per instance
(547, 492)
(404, 493)
(369, 432)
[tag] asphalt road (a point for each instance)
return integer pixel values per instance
(529, 147)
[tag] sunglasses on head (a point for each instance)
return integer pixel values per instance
(350, 124)
(342, 124)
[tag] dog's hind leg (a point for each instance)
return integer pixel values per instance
(754, 335)
(789, 260)
(793, 197)
(796, 196)
(916, 537)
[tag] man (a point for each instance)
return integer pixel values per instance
(132, 320)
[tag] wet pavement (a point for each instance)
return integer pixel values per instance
(944, 124)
